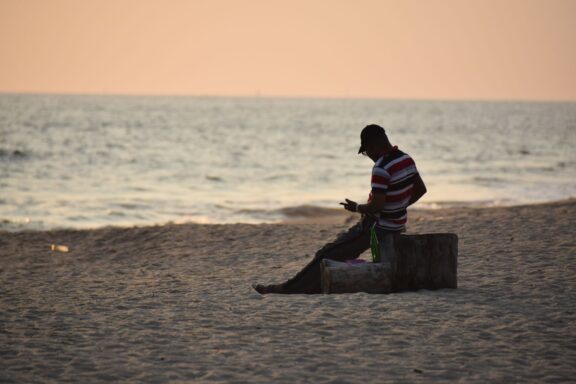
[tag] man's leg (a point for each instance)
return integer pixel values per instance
(348, 245)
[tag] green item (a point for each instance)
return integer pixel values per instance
(374, 245)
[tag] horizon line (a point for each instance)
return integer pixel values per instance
(282, 96)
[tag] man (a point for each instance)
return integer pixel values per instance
(395, 183)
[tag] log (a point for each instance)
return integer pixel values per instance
(339, 277)
(409, 262)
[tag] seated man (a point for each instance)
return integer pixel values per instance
(396, 184)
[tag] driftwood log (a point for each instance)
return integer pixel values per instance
(409, 262)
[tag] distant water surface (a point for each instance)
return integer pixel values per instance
(91, 161)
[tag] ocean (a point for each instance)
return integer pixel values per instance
(69, 161)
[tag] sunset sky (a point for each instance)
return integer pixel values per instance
(409, 49)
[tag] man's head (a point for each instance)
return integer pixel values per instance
(373, 141)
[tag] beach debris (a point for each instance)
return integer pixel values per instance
(59, 248)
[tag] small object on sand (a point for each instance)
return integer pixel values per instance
(59, 248)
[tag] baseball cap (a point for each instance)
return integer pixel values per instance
(369, 133)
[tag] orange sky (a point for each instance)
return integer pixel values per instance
(424, 49)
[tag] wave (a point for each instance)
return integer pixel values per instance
(447, 204)
(23, 224)
(310, 211)
(298, 211)
(307, 211)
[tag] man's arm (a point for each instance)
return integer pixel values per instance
(418, 191)
(378, 199)
(375, 205)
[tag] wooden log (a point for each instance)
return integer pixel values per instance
(338, 277)
(428, 261)
(409, 262)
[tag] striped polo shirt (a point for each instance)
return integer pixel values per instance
(393, 174)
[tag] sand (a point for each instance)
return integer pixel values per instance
(175, 303)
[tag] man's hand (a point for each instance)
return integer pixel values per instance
(350, 205)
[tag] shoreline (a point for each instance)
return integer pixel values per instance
(309, 214)
(174, 303)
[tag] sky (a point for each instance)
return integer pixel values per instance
(399, 49)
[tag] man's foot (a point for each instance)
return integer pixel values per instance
(272, 288)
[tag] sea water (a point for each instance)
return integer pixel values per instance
(89, 161)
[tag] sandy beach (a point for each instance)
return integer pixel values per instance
(174, 303)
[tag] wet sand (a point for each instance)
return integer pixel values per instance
(175, 303)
